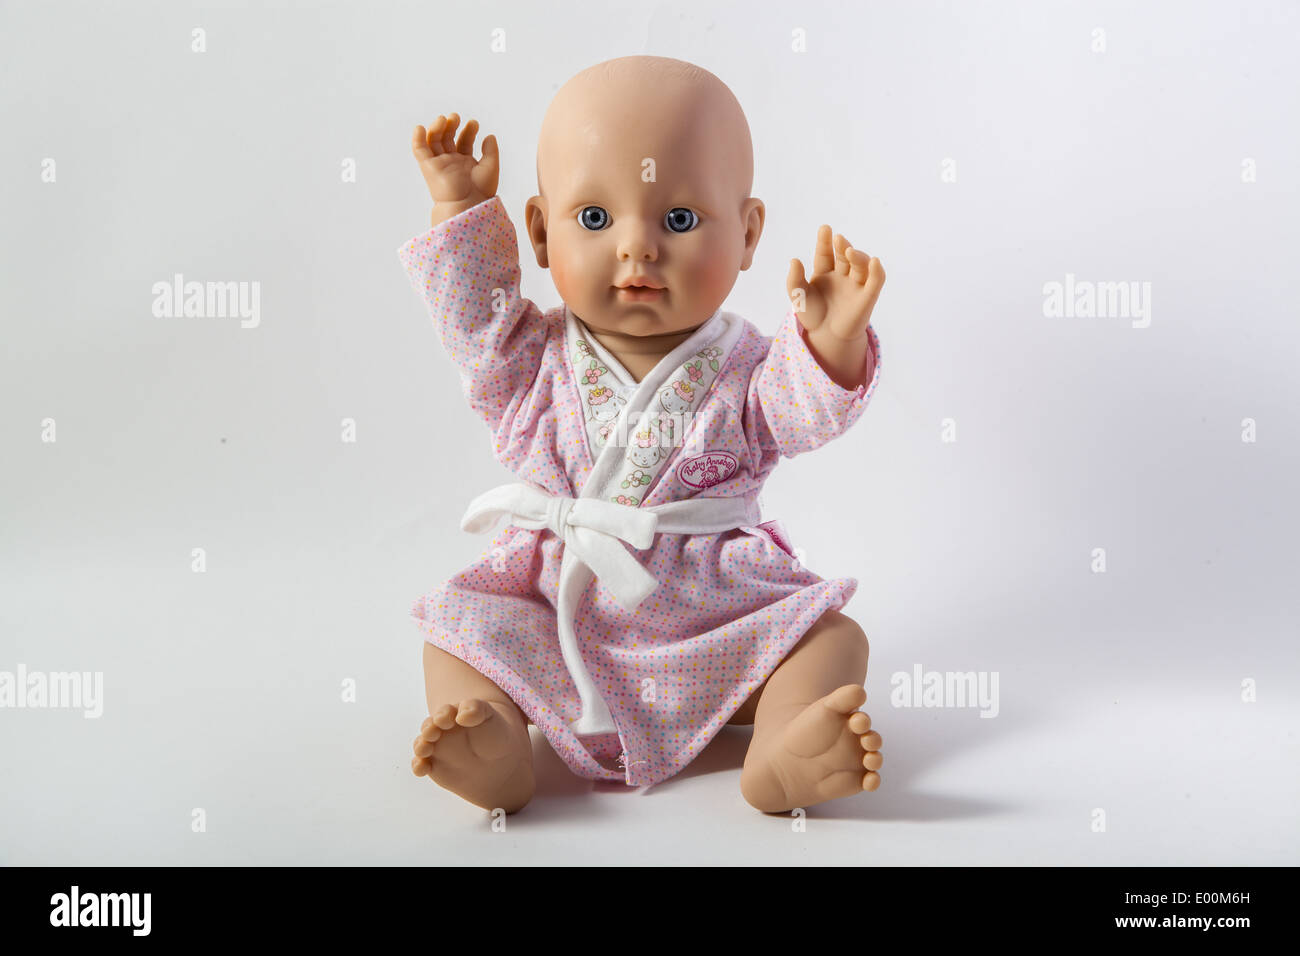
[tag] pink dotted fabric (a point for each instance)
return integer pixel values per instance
(729, 606)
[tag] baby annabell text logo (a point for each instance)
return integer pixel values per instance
(707, 470)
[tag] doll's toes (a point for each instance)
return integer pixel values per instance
(430, 730)
(471, 712)
(846, 699)
(445, 716)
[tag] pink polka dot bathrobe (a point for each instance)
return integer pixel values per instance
(633, 599)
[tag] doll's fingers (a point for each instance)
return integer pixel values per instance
(797, 288)
(859, 265)
(877, 274)
(872, 760)
(449, 135)
(422, 766)
(841, 255)
(871, 741)
(870, 780)
(465, 141)
(795, 278)
(823, 255)
(871, 288)
(486, 173)
(422, 747)
(420, 144)
(859, 723)
(433, 138)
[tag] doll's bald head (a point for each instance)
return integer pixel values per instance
(644, 167)
(685, 111)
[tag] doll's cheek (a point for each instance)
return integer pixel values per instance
(717, 276)
(570, 278)
(559, 267)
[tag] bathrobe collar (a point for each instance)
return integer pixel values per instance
(635, 429)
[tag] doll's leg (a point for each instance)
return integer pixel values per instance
(811, 743)
(475, 741)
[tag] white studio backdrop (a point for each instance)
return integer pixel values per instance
(318, 451)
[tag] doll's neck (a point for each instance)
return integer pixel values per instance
(639, 354)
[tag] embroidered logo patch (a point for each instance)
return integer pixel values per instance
(707, 470)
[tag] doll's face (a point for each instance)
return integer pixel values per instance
(644, 180)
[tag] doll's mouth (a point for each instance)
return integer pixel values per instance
(639, 293)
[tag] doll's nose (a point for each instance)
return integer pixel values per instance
(636, 244)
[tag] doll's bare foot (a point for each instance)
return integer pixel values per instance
(479, 751)
(827, 750)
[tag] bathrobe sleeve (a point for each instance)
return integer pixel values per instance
(792, 405)
(467, 271)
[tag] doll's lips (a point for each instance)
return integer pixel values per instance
(638, 293)
(639, 289)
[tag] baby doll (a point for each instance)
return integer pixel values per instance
(633, 603)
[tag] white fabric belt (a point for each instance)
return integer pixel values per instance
(592, 531)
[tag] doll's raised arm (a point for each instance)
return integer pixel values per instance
(792, 405)
(466, 269)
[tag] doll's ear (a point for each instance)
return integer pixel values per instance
(752, 213)
(535, 224)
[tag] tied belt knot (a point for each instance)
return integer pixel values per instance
(589, 527)
(594, 532)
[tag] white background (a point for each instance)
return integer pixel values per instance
(1119, 691)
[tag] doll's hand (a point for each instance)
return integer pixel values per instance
(454, 176)
(836, 305)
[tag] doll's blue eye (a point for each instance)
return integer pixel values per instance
(681, 219)
(593, 217)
